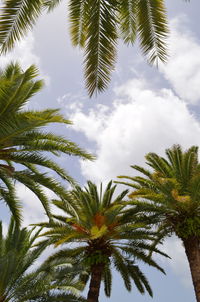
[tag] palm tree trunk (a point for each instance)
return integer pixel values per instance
(95, 282)
(192, 250)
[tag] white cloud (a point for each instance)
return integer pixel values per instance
(183, 68)
(25, 55)
(140, 121)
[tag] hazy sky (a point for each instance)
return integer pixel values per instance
(145, 109)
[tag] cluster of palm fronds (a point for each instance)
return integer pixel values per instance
(105, 236)
(25, 142)
(27, 149)
(96, 26)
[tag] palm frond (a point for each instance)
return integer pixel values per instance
(18, 16)
(78, 15)
(100, 48)
(128, 20)
(152, 29)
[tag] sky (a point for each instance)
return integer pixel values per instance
(145, 109)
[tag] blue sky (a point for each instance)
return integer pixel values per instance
(144, 109)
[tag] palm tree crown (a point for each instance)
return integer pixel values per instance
(24, 142)
(18, 284)
(96, 26)
(172, 188)
(103, 236)
(169, 195)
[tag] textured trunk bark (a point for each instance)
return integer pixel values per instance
(192, 250)
(95, 283)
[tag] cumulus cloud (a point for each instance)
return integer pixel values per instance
(183, 68)
(141, 120)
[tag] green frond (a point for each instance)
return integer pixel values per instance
(121, 267)
(159, 165)
(152, 29)
(95, 26)
(141, 170)
(140, 255)
(50, 4)
(139, 278)
(78, 15)
(16, 88)
(30, 183)
(108, 195)
(17, 18)
(38, 159)
(128, 20)
(100, 45)
(107, 279)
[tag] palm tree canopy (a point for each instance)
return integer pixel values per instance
(25, 142)
(18, 284)
(102, 234)
(96, 26)
(170, 190)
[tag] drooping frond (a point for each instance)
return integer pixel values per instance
(95, 26)
(120, 265)
(17, 18)
(50, 4)
(100, 46)
(78, 15)
(128, 20)
(107, 279)
(152, 29)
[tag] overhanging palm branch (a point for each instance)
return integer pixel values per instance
(24, 142)
(96, 26)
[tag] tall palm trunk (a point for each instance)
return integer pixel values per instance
(192, 250)
(95, 282)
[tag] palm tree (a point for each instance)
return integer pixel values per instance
(103, 238)
(96, 26)
(18, 284)
(169, 195)
(23, 141)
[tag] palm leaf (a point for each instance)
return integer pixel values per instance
(152, 29)
(100, 49)
(78, 15)
(128, 20)
(18, 16)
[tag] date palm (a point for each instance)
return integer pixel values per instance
(169, 194)
(103, 238)
(25, 144)
(42, 284)
(96, 26)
